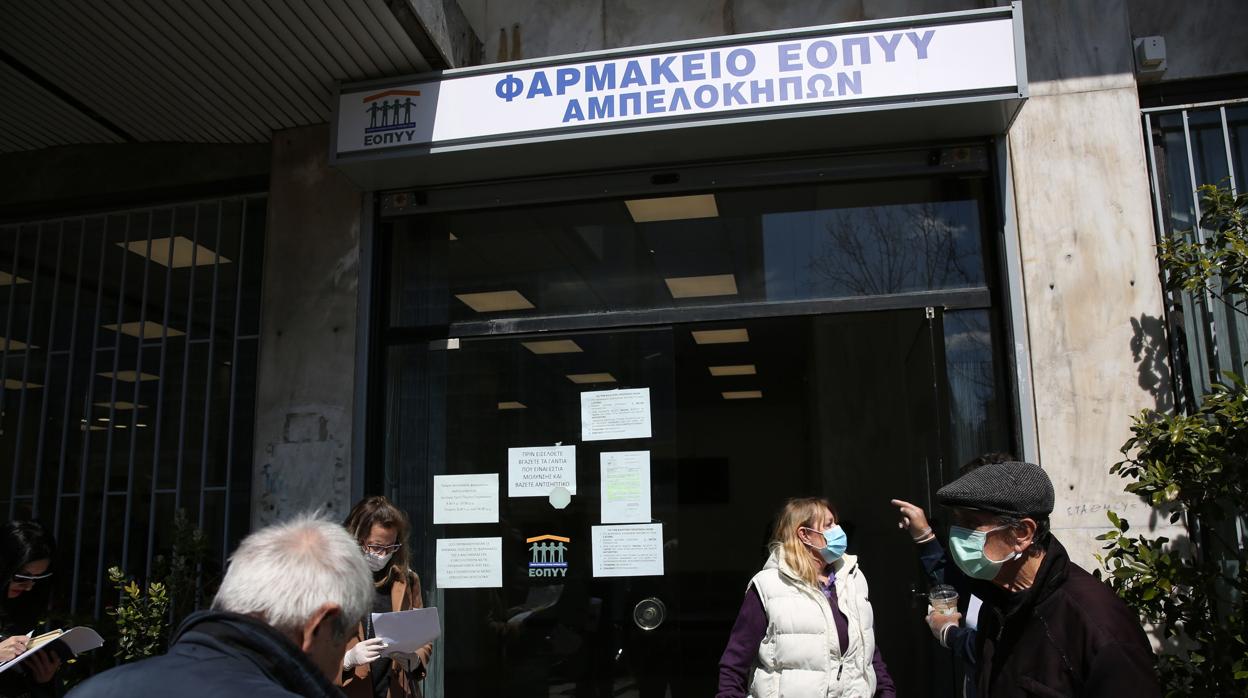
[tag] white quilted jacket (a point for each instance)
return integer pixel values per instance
(800, 656)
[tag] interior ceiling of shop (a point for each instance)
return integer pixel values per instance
(199, 71)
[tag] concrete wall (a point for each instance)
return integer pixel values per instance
(513, 30)
(1086, 234)
(307, 343)
(1203, 39)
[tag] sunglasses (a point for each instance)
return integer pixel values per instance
(31, 577)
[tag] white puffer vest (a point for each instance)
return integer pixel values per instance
(800, 656)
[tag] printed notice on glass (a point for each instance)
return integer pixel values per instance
(625, 488)
(615, 414)
(465, 499)
(535, 471)
(628, 551)
(470, 563)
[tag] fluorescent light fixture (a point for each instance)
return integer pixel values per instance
(742, 394)
(451, 237)
(737, 370)
(587, 378)
(121, 405)
(553, 346)
(14, 384)
(103, 419)
(672, 208)
(128, 376)
(183, 252)
(495, 301)
(144, 330)
(7, 279)
(15, 345)
(141, 426)
(702, 286)
(120, 426)
(721, 336)
(512, 405)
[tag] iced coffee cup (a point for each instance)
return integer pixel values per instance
(944, 599)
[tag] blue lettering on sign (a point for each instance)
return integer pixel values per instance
(759, 89)
(654, 101)
(600, 77)
(633, 75)
(539, 87)
(790, 57)
(889, 44)
(630, 97)
(706, 96)
(741, 62)
(691, 66)
(573, 112)
(680, 100)
(602, 107)
(661, 68)
(819, 86)
(565, 78)
(509, 88)
(821, 54)
(732, 94)
(864, 50)
(847, 83)
(921, 42)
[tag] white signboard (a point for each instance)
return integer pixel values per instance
(470, 563)
(625, 487)
(615, 414)
(811, 71)
(536, 471)
(464, 499)
(628, 551)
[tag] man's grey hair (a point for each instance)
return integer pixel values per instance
(285, 572)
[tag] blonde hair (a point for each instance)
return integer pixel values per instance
(379, 511)
(799, 512)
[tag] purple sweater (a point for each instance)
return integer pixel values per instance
(747, 634)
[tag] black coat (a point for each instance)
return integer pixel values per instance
(215, 655)
(1068, 635)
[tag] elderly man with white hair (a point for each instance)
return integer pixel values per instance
(279, 625)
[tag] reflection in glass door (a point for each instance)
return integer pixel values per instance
(743, 415)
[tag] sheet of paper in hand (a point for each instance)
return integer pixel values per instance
(407, 631)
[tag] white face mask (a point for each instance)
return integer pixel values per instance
(377, 563)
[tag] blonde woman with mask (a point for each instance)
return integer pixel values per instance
(805, 627)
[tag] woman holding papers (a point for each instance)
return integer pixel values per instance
(806, 625)
(26, 553)
(368, 670)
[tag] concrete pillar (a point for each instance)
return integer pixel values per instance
(1094, 302)
(307, 337)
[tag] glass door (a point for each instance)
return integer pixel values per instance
(742, 415)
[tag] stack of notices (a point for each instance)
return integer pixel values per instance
(65, 644)
(404, 632)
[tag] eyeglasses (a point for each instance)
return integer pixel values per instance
(381, 549)
(32, 578)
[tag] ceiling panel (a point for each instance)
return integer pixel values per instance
(203, 71)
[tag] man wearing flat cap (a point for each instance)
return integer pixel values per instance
(1047, 628)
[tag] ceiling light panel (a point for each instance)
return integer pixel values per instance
(672, 208)
(15, 345)
(144, 330)
(7, 279)
(185, 252)
(721, 336)
(512, 405)
(742, 394)
(702, 286)
(553, 346)
(14, 384)
(588, 378)
(129, 376)
(737, 370)
(495, 301)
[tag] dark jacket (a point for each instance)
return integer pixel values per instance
(1068, 635)
(215, 655)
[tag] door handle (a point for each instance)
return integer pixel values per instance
(649, 613)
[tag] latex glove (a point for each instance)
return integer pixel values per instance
(13, 646)
(363, 653)
(913, 520)
(940, 623)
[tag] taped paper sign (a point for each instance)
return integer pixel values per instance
(536, 471)
(464, 499)
(625, 488)
(615, 414)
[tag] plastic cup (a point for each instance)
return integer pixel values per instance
(944, 599)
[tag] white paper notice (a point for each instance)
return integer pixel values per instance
(535, 471)
(470, 563)
(626, 487)
(463, 499)
(407, 631)
(628, 551)
(615, 414)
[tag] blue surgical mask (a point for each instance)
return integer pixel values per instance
(967, 548)
(835, 542)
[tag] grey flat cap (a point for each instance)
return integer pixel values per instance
(1014, 488)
